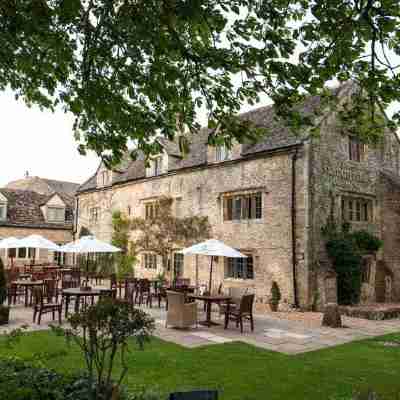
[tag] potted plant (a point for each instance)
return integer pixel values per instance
(275, 297)
(4, 310)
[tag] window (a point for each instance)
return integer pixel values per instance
(56, 214)
(151, 210)
(366, 265)
(222, 153)
(94, 214)
(12, 253)
(355, 209)
(240, 268)
(356, 149)
(178, 264)
(31, 253)
(157, 165)
(22, 252)
(150, 261)
(59, 257)
(243, 207)
(3, 211)
(104, 178)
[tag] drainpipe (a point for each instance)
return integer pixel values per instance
(293, 223)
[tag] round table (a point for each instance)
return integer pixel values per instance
(27, 284)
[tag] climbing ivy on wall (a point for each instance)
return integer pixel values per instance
(346, 248)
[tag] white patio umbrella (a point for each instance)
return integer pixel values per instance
(38, 242)
(213, 248)
(89, 244)
(10, 243)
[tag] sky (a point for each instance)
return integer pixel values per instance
(40, 143)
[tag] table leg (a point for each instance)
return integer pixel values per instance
(208, 321)
(26, 296)
(77, 301)
(66, 305)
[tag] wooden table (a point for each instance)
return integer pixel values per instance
(78, 293)
(208, 300)
(27, 284)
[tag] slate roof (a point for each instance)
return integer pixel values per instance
(278, 136)
(44, 186)
(23, 209)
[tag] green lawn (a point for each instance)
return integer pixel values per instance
(243, 372)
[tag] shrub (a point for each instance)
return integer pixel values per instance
(102, 332)
(275, 293)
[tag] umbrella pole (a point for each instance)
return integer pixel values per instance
(211, 270)
(87, 267)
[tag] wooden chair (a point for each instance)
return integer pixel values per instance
(144, 292)
(180, 314)
(195, 395)
(51, 289)
(40, 306)
(243, 312)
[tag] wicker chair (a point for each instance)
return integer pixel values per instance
(241, 313)
(143, 294)
(40, 306)
(180, 314)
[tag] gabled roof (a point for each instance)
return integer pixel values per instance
(278, 136)
(24, 210)
(44, 186)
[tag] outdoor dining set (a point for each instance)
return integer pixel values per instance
(53, 289)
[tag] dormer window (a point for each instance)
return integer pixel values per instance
(356, 149)
(222, 153)
(3, 211)
(104, 178)
(55, 214)
(156, 167)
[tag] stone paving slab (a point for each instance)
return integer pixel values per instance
(271, 333)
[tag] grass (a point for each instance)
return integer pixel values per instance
(244, 372)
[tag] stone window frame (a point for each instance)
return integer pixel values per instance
(94, 213)
(238, 206)
(3, 210)
(357, 208)
(230, 263)
(356, 149)
(223, 153)
(178, 261)
(59, 209)
(151, 209)
(149, 260)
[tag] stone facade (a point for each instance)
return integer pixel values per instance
(300, 182)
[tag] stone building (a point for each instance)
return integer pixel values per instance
(37, 206)
(269, 200)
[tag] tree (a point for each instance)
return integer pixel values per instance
(162, 233)
(137, 69)
(103, 332)
(120, 238)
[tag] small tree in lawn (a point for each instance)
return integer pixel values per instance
(162, 233)
(120, 238)
(104, 333)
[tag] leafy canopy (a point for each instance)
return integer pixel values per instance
(133, 69)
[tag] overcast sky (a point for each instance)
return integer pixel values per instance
(40, 143)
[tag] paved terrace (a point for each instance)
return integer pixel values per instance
(289, 333)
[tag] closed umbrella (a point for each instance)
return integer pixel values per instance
(89, 244)
(38, 242)
(213, 248)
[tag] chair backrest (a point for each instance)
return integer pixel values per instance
(50, 286)
(246, 303)
(144, 285)
(182, 282)
(38, 295)
(195, 395)
(175, 299)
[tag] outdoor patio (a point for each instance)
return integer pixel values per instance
(288, 333)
